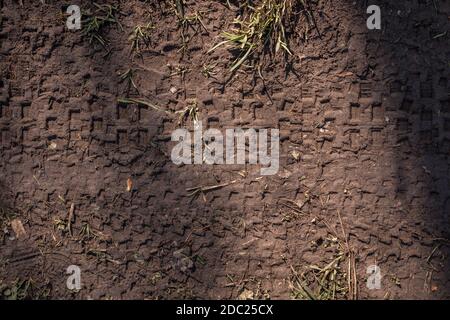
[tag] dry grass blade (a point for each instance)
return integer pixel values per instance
(294, 205)
(128, 77)
(351, 273)
(303, 289)
(141, 102)
(201, 190)
(195, 190)
(70, 218)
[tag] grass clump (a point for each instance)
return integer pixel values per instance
(94, 23)
(321, 283)
(208, 70)
(140, 37)
(6, 215)
(187, 22)
(24, 289)
(128, 78)
(191, 112)
(262, 29)
(335, 277)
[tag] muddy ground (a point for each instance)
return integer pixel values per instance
(364, 117)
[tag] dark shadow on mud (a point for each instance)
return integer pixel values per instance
(404, 77)
(111, 161)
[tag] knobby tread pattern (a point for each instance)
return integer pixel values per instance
(368, 112)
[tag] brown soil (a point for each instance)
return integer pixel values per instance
(365, 125)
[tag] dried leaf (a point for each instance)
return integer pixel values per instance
(296, 155)
(129, 185)
(246, 295)
(243, 173)
(18, 228)
(52, 146)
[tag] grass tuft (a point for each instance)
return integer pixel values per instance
(94, 23)
(140, 37)
(187, 22)
(208, 70)
(191, 112)
(128, 78)
(261, 29)
(321, 283)
(24, 289)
